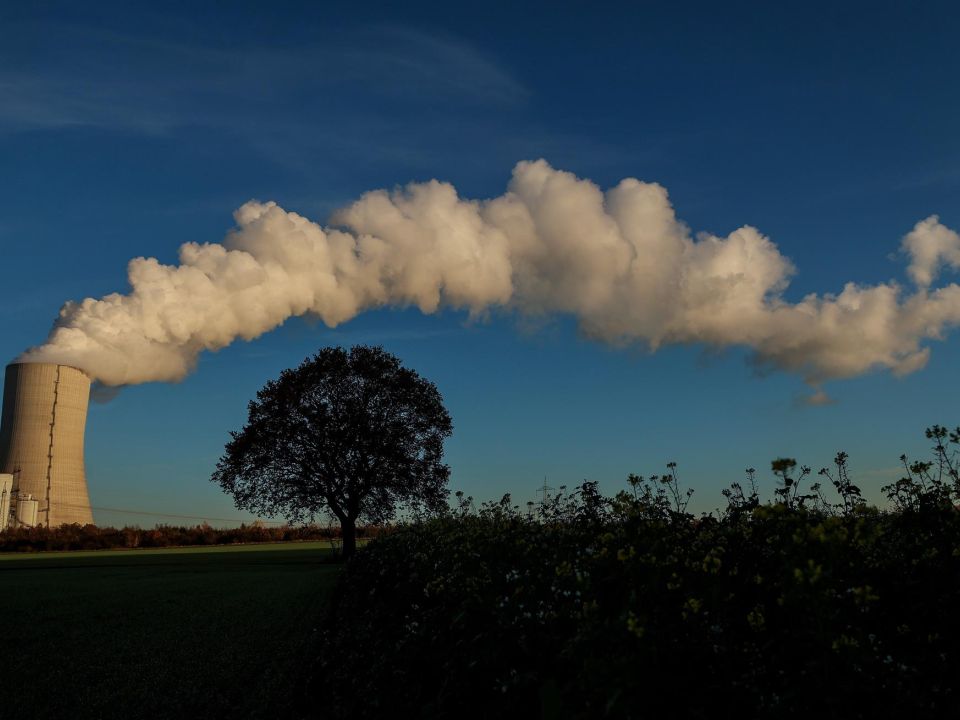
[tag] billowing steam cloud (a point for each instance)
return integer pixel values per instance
(619, 261)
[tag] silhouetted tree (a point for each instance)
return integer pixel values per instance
(351, 433)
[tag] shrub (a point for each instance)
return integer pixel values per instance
(630, 607)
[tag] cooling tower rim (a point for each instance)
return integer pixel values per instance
(50, 364)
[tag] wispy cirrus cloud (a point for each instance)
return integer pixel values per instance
(92, 78)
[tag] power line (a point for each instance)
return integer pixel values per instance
(169, 515)
(545, 490)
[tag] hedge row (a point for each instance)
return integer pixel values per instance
(91, 537)
(633, 608)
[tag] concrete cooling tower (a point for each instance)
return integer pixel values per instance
(41, 439)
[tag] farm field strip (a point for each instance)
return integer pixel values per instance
(167, 632)
(313, 545)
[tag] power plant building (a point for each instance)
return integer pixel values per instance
(6, 491)
(41, 444)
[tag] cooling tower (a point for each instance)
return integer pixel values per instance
(41, 439)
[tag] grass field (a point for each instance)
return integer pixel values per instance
(185, 633)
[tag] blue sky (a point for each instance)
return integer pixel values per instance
(125, 132)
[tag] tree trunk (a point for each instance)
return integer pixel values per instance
(348, 530)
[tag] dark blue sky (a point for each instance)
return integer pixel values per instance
(125, 132)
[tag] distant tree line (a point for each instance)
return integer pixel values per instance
(92, 537)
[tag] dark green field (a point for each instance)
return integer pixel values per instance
(186, 633)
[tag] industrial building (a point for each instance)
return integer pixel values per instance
(42, 478)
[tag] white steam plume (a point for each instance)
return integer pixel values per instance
(620, 262)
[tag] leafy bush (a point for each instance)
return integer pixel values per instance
(631, 606)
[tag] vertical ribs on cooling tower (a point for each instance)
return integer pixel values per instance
(41, 436)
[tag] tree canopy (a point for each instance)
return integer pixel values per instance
(350, 433)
